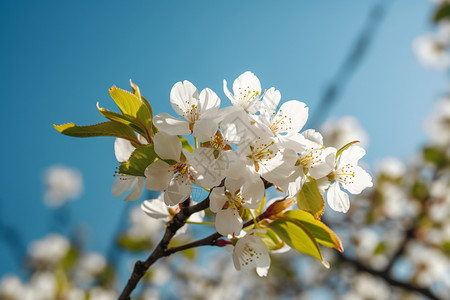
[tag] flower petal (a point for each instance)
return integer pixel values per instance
(156, 208)
(167, 146)
(205, 129)
(269, 104)
(291, 117)
(158, 175)
(361, 181)
(209, 103)
(227, 92)
(228, 221)
(183, 96)
(179, 189)
(217, 199)
(337, 199)
(325, 166)
(123, 149)
(171, 125)
(253, 192)
(351, 155)
(122, 183)
(137, 190)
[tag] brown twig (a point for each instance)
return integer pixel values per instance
(172, 227)
(386, 277)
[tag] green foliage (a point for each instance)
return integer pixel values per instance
(321, 232)
(139, 161)
(297, 236)
(124, 119)
(132, 106)
(133, 244)
(101, 129)
(272, 240)
(310, 199)
(442, 12)
(435, 155)
(106, 277)
(136, 116)
(69, 260)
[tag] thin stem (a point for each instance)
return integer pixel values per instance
(201, 223)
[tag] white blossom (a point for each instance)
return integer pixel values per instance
(158, 210)
(251, 252)
(431, 52)
(341, 131)
(174, 179)
(350, 176)
(186, 102)
(62, 184)
(123, 182)
(48, 251)
(246, 92)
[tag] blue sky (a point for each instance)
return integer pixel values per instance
(59, 58)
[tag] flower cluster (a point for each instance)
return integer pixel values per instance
(238, 152)
(432, 49)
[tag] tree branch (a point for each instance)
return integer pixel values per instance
(382, 274)
(140, 268)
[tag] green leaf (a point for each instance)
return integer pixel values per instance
(297, 236)
(137, 93)
(339, 152)
(435, 155)
(101, 129)
(124, 119)
(69, 260)
(310, 199)
(185, 143)
(133, 244)
(139, 161)
(272, 240)
(321, 232)
(129, 104)
(443, 12)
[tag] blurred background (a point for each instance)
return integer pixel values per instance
(368, 70)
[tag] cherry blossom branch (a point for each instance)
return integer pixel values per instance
(178, 220)
(211, 239)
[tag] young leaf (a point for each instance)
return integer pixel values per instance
(132, 106)
(137, 93)
(297, 236)
(339, 152)
(321, 232)
(139, 161)
(101, 129)
(272, 240)
(124, 119)
(310, 199)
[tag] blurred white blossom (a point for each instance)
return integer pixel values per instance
(437, 125)
(431, 51)
(11, 287)
(48, 251)
(341, 131)
(390, 167)
(62, 184)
